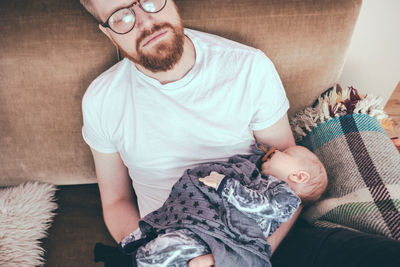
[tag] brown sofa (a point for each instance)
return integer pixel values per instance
(52, 50)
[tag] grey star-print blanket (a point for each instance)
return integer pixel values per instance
(234, 239)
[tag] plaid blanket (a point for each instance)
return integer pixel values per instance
(364, 176)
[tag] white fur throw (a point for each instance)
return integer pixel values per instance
(26, 212)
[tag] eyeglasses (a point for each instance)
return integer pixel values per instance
(123, 20)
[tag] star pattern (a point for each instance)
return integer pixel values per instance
(193, 204)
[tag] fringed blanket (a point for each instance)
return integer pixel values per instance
(362, 163)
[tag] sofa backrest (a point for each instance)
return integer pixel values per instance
(52, 50)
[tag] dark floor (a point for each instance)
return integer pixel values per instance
(77, 228)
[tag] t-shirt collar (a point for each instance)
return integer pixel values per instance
(181, 82)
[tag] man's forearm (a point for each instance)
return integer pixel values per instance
(278, 135)
(121, 219)
(275, 239)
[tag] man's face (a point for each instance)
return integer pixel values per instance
(156, 41)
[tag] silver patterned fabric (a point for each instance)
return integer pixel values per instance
(174, 248)
(269, 203)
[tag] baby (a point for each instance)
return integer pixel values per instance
(287, 176)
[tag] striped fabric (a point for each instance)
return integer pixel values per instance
(363, 168)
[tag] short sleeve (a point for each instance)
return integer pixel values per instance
(270, 101)
(93, 130)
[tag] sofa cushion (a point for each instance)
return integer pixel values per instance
(52, 50)
(306, 40)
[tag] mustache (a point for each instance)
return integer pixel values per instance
(149, 32)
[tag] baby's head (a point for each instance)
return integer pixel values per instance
(301, 169)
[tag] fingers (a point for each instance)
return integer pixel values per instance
(202, 261)
(265, 168)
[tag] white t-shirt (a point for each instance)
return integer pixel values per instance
(208, 115)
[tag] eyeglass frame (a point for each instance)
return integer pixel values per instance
(107, 25)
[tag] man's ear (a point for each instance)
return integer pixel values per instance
(104, 30)
(300, 177)
(107, 33)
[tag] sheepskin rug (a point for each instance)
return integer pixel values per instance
(26, 213)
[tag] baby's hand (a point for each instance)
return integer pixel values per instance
(212, 180)
(265, 168)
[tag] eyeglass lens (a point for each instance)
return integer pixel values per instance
(123, 20)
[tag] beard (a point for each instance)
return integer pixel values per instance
(165, 54)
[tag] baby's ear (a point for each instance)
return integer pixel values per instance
(300, 177)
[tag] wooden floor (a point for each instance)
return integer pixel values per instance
(392, 108)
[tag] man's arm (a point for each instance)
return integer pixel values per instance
(276, 238)
(121, 215)
(280, 136)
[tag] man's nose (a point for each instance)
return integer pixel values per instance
(144, 20)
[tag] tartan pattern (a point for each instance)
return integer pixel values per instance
(364, 176)
(331, 129)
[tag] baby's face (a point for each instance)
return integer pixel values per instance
(283, 163)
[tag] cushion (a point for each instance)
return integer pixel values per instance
(26, 212)
(45, 70)
(344, 130)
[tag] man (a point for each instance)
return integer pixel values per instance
(179, 98)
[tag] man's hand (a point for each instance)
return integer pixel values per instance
(202, 261)
(276, 238)
(213, 179)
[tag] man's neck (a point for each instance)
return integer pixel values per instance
(184, 65)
